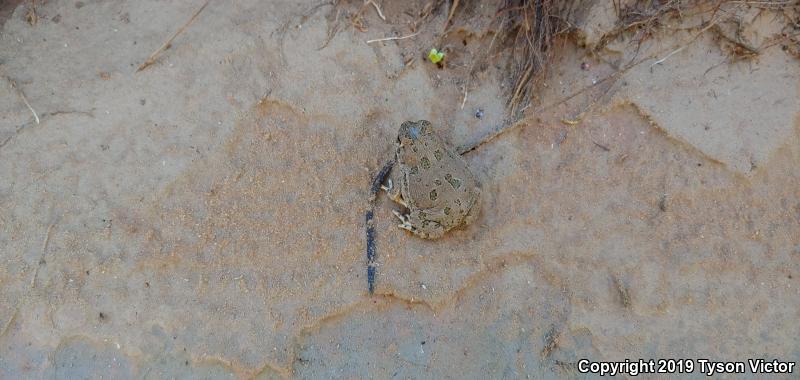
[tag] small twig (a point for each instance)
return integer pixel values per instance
(601, 146)
(24, 99)
(36, 120)
(10, 322)
(579, 117)
(281, 31)
(676, 51)
(332, 31)
(450, 15)
(779, 40)
(41, 258)
(767, 4)
(551, 342)
(377, 8)
(392, 38)
(152, 58)
(715, 66)
(622, 289)
(680, 49)
(33, 18)
(357, 19)
(520, 87)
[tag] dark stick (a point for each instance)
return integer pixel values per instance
(373, 193)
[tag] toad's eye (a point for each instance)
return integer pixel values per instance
(414, 132)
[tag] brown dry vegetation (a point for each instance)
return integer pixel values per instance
(523, 34)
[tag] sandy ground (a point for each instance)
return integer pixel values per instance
(204, 218)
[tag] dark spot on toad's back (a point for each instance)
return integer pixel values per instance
(426, 163)
(455, 182)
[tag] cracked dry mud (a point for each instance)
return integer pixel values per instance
(204, 218)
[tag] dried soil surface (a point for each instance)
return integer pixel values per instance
(204, 217)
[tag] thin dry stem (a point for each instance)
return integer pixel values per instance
(768, 4)
(9, 322)
(678, 50)
(281, 31)
(332, 30)
(392, 38)
(44, 251)
(32, 17)
(452, 12)
(24, 99)
(152, 58)
(377, 9)
(535, 25)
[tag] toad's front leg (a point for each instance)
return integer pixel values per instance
(405, 222)
(394, 193)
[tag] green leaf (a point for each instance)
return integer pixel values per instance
(435, 56)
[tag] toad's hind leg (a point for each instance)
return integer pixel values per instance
(430, 230)
(426, 223)
(394, 193)
(405, 222)
(474, 210)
